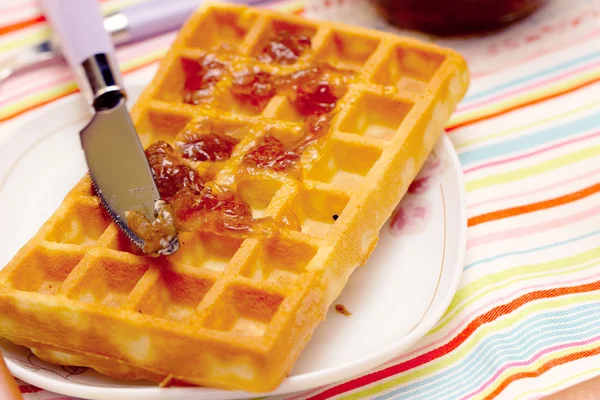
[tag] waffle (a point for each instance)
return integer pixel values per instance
(233, 309)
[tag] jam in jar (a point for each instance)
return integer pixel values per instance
(451, 17)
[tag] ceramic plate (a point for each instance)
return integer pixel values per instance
(395, 299)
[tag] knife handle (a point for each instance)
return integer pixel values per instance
(85, 44)
(150, 18)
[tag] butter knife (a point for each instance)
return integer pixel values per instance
(117, 164)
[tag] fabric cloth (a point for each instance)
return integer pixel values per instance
(524, 322)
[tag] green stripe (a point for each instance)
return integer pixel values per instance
(40, 34)
(558, 384)
(525, 127)
(517, 274)
(534, 169)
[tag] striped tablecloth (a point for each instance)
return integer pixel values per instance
(525, 320)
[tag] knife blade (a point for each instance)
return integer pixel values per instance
(118, 167)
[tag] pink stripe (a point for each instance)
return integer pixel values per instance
(479, 74)
(156, 43)
(529, 362)
(307, 393)
(27, 6)
(529, 230)
(535, 191)
(462, 324)
(18, 7)
(526, 155)
(61, 74)
(529, 87)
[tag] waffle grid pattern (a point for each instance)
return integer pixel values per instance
(223, 311)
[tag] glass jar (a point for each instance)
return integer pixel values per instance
(451, 17)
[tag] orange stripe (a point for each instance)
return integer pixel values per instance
(542, 205)
(26, 23)
(521, 105)
(545, 367)
(454, 343)
(21, 25)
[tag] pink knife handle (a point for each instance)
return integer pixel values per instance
(79, 27)
(148, 18)
(85, 44)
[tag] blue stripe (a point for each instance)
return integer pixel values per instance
(519, 347)
(546, 247)
(536, 75)
(496, 342)
(513, 345)
(517, 344)
(536, 139)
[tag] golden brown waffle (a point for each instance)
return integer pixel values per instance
(230, 311)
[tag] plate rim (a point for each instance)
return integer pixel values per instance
(303, 382)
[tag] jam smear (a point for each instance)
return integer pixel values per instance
(316, 127)
(272, 154)
(220, 211)
(318, 73)
(205, 142)
(285, 48)
(194, 206)
(170, 172)
(201, 77)
(316, 100)
(291, 221)
(253, 87)
(315, 90)
(156, 234)
(212, 209)
(340, 308)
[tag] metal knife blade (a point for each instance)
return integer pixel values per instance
(119, 169)
(117, 163)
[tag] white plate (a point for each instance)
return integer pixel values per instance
(395, 299)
